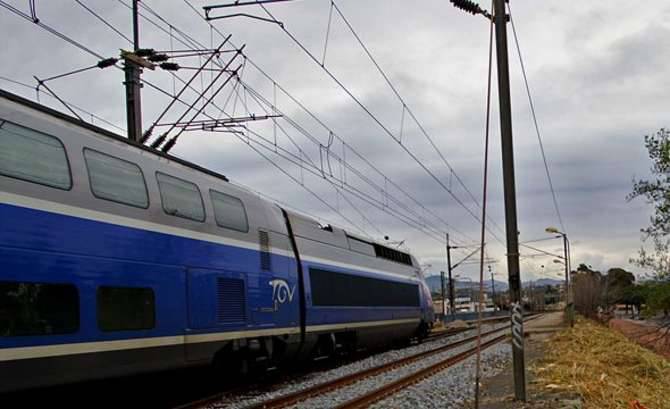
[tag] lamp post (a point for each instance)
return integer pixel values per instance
(566, 258)
(557, 261)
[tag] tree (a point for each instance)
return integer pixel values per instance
(588, 288)
(656, 191)
(618, 282)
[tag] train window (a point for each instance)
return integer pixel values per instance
(333, 289)
(180, 198)
(116, 179)
(33, 156)
(229, 211)
(126, 308)
(38, 309)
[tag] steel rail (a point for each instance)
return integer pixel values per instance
(391, 388)
(346, 380)
(325, 387)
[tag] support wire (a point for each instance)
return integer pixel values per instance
(483, 219)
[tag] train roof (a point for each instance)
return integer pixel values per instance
(60, 115)
(381, 249)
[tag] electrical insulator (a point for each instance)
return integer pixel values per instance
(169, 145)
(108, 62)
(169, 66)
(467, 6)
(145, 52)
(159, 141)
(158, 57)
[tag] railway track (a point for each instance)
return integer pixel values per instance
(367, 399)
(329, 386)
(323, 388)
(437, 334)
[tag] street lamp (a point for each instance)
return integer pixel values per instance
(566, 262)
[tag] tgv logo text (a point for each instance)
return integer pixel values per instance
(281, 292)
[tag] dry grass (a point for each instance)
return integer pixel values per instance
(605, 368)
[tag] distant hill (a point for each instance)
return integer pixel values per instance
(544, 281)
(434, 284)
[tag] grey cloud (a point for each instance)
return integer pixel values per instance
(597, 75)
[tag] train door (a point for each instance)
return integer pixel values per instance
(273, 288)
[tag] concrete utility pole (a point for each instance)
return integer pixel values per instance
(444, 305)
(133, 85)
(493, 290)
(500, 20)
(452, 303)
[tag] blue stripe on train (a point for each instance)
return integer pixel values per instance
(41, 246)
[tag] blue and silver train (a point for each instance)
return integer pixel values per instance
(118, 259)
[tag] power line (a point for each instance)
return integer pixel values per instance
(337, 184)
(192, 42)
(541, 251)
(341, 160)
(316, 195)
(50, 29)
(378, 121)
(537, 127)
(105, 22)
(541, 239)
(347, 220)
(407, 108)
(89, 51)
(88, 113)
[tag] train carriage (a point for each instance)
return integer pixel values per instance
(119, 259)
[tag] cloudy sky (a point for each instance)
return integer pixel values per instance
(597, 72)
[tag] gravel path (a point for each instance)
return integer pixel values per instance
(452, 387)
(242, 401)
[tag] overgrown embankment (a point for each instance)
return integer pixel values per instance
(605, 368)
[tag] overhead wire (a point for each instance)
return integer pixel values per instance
(541, 251)
(105, 22)
(537, 127)
(335, 185)
(336, 157)
(407, 108)
(194, 43)
(316, 171)
(331, 132)
(50, 29)
(84, 48)
(376, 120)
(482, 253)
(88, 113)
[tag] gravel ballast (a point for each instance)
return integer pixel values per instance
(452, 387)
(339, 396)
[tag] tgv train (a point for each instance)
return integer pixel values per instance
(118, 259)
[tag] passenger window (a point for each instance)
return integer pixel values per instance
(229, 211)
(180, 198)
(33, 156)
(126, 308)
(38, 309)
(116, 179)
